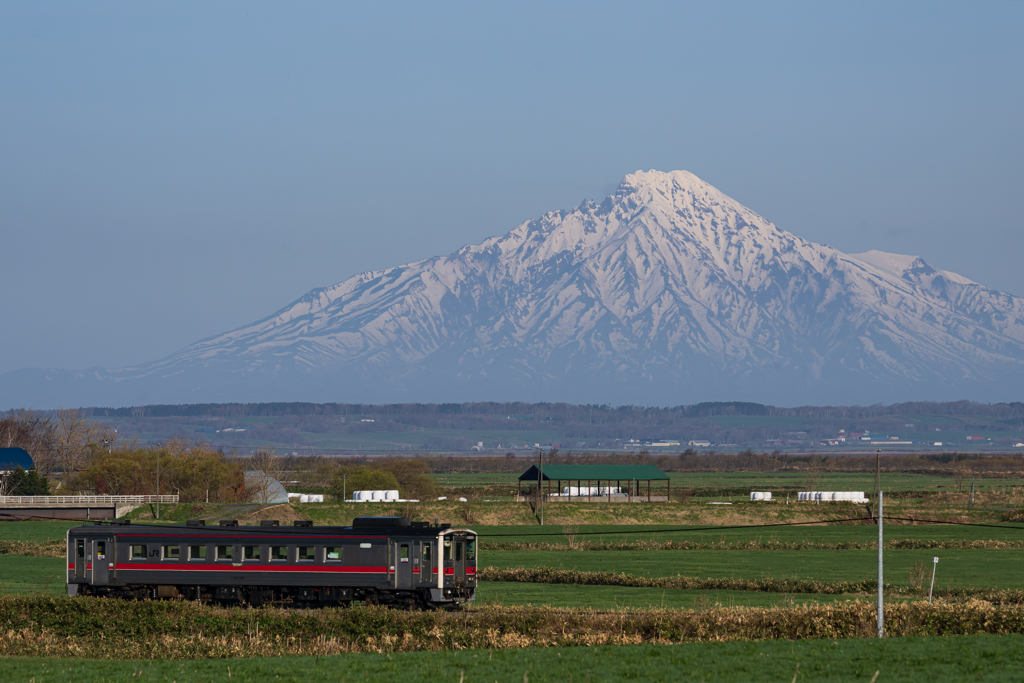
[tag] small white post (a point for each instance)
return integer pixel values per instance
(935, 563)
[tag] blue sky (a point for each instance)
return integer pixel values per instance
(169, 171)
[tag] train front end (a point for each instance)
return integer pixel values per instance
(457, 582)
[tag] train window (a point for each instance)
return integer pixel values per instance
(471, 549)
(426, 553)
(251, 552)
(458, 551)
(448, 549)
(81, 549)
(224, 552)
(197, 552)
(138, 552)
(101, 550)
(403, 553)
(333, 554)
(307, 553)
(365, 546)
(278, 552)
(171, 552)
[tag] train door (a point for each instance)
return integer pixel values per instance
(460, 559)
(426, 563)
(403, 568)
(102, 551)
(79, 552)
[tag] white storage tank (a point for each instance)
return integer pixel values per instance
(391, 495)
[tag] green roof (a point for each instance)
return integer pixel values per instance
(595, 472)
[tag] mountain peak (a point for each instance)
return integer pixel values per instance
(667, 292)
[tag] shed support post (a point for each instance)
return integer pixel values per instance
(648, 490)
(609, 490)
(668, 498)
(519, 490)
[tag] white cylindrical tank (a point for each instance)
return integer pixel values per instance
(376, 495)
(391, 495)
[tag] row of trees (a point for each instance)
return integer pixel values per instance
(193, 471)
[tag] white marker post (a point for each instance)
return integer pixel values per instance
(935, 563)
(878, 487)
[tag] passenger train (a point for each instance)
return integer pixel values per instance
(379, 560)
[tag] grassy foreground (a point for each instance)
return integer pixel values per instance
(110, 629)
(925, 659)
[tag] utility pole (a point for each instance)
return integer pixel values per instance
(540, 481)
(158, 484)
(344, 488)
(878, 488)
(972, 493)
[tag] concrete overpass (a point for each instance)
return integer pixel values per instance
(74, 507)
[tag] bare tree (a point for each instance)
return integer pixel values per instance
(960, 473)
(73, 433)
(265, 468)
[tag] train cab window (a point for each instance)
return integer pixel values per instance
(81, 549)
(251, 552)
(197, 552)
(225, 552)
(307, 553)
(458, 551)
(448, 549)
(333, 554)
(171, 552)
(138, 552)
(426, 554)
(279, 552)
(471, 549)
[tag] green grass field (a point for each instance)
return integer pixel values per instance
(813, 534)
(909, 660)
(20, 575)
(35, 531)
(956, 569)
(618, 597)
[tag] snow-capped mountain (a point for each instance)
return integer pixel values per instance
(667, 292)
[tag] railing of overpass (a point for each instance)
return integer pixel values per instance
(83, 500)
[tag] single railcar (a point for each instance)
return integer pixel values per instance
(379, 560)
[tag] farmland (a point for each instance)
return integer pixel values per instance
(633, 582)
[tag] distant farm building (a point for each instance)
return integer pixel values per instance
(621, 483)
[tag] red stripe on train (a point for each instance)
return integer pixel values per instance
(326, 569)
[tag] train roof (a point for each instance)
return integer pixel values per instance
(403, 526)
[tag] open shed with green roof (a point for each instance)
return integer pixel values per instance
(634, 476)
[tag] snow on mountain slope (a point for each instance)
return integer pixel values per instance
(666, 292)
